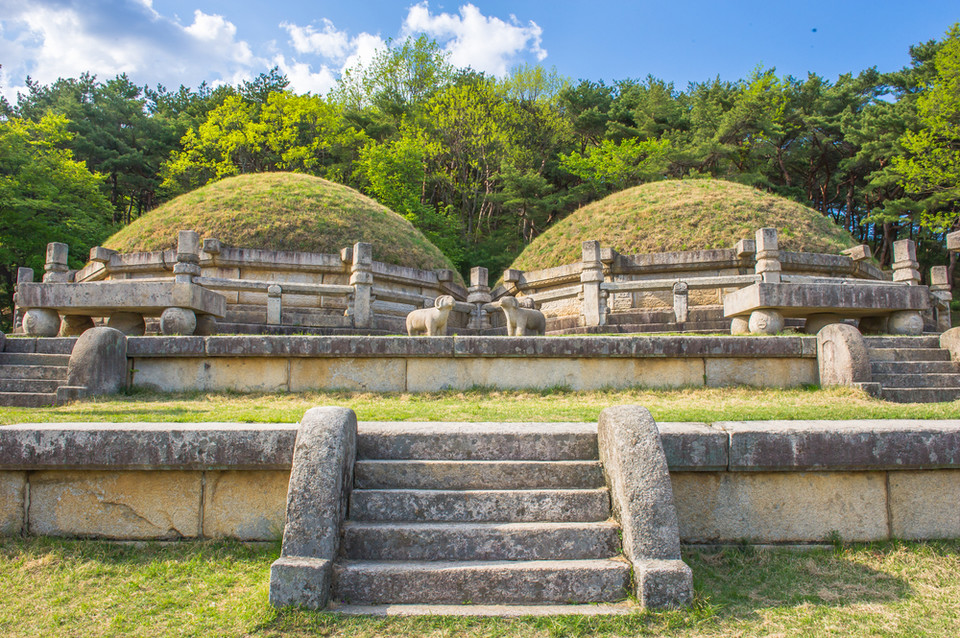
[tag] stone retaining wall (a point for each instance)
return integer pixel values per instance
(759, 482)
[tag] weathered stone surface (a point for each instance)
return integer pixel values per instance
(129, 323)
(842, 356)
(924, 505)
(122, 505)
(12, 493)
(242, 375)
(848, 299)
(165, 346)
(143, 446)
(780, 507)
(245, 505)
(905, 322)
(522, 321)
(694, 446)
(320, 483)
(836, 445)
(301, 580)
(369, 375)
(74, 325)
(760, 372)
(41, 322)
(178, 321)
(431, 321)
(476, 475)
(308, 346)
(740, 326)
(99, 362)
(950, 341)
(765, 321)
(815, 323)
(642, 498)
(206, 325)
(101, 298)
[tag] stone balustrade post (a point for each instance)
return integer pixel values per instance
(361, 278)
(591, 276)
(188, 257)
(479, 294)
(941, 296)
(56, 270)
(905, 266)
(768, 256)
(274, 293)
(681, 301)
(24, 275)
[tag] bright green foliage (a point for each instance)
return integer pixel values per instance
(932, 165)
(612, 167)
(45, 195)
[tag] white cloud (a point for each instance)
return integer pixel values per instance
(303, 79)
(485, 43)
(327, 42)
(336, 49)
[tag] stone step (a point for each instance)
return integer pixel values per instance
(908, 354)
(28, 399)
(43, 345)
(925, 380)
(476, 475)
(488, 582)
(914, 367)
(33, 372)
(33, 359)
(480, 505)
(478, 441)
(927, 341)
(30, 385)
(480, 541)
(920, 395)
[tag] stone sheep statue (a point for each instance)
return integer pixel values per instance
(432, 321)
(521, 321)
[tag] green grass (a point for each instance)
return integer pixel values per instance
(482, 404)
(677, 215)
(283, 211)
(88, 588)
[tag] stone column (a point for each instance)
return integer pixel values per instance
(905, 266)
(768, 256)
(941, 297)
(680, 301)
(56, 269)
(24, 275)
(591, 276)
(188, 257)
(361, 278)
(479, 294)
(273, 305)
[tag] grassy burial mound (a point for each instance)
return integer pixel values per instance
(283, 211)
(683, 215)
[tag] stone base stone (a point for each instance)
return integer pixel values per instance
(206, 325)
(41, 322)
(766, 322)
(739, 326)
(905, 322)
(178, 321)
(873, 325)
(663, 583)
(816, 323)
(129, 323)
(75, 325)
(301, 581)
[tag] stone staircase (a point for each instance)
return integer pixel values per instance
(491, 514)
(913, 369)
(32, 380)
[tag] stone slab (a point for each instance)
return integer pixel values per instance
(262, 374)
(924, 505)
(694, 446)
(248, 506)
(365, 375)
(847, 299)
(487, 611)
(780, 507)
(102, 298)
(119, 505)
(835, 445)
(760, 372)
(12, 493)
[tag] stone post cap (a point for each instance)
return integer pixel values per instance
(591, 250)
(939, 277)
(858, 253)
(188, 243)
(57, 253)
(953, 240)
(745, 248)
(444, 274)
(211, 245)
(346, 254)
(904, 250)
(101, 255)
(479, 276)
(274, 290)
(766, 239)
(680, 288)
(607, 254)
(362, 254)
(512, 275)
(24, 275)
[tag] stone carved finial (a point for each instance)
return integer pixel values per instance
(56, 269)
(768, 256)
(188, 257)
(431, 321)
(905, 266)
(521, 321)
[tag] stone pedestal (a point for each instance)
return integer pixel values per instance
(941, 296)
(479, 294)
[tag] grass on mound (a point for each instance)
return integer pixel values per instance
(283, 211)
(692, 214)
(484, 404)
(89, 588)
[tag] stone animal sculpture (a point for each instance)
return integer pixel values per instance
(521, 321)
(432, 321)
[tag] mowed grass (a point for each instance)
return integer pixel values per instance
(89, 588)
(481, 404)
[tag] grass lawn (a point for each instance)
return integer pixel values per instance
(89, 588)
(691, 404)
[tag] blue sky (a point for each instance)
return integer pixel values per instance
(188, 41)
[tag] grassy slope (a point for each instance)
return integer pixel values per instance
(283, 211)
(683, 215)
(88, 588)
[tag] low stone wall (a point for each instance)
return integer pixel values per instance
(759, 482)
(425, 364)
